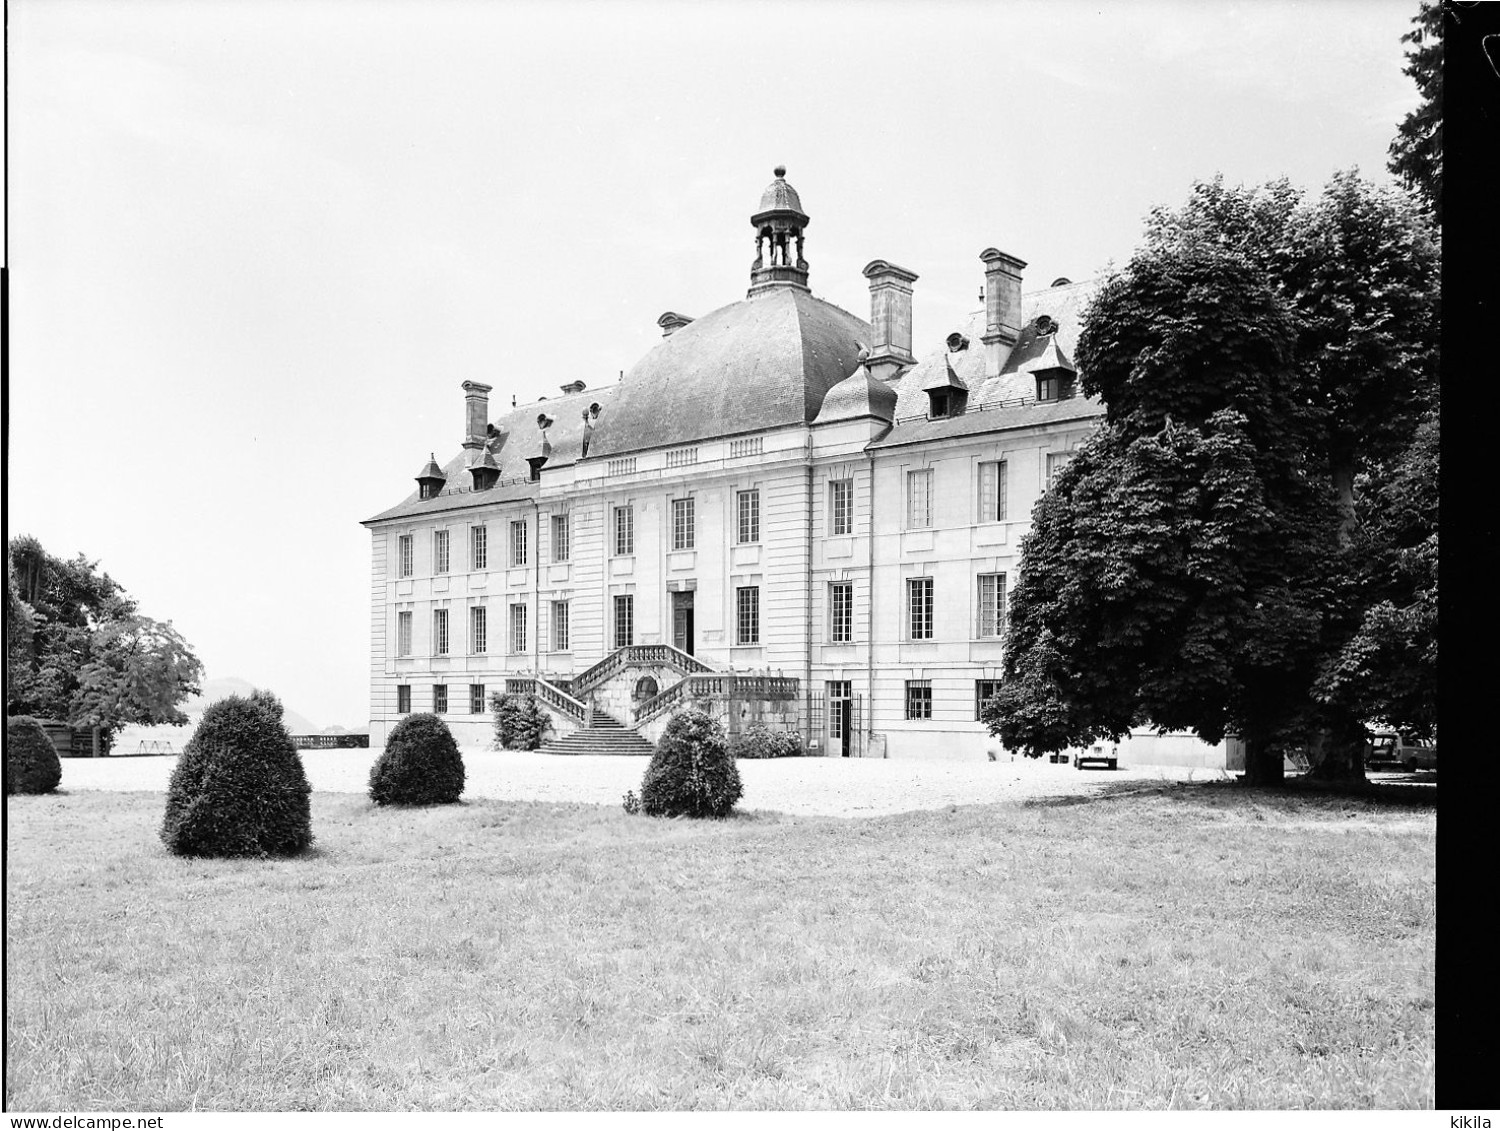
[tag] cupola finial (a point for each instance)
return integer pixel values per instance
(779, 225)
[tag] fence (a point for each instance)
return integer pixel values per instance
(331, 741)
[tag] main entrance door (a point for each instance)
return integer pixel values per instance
(682, 621)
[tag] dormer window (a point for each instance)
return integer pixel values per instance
(957, 343)
(946, 402)
(1044, 325)
(1055, 385)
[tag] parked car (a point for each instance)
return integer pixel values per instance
(1098, 756)
(1387, 748)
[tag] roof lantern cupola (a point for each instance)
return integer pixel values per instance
(779, 225)
(430, 479)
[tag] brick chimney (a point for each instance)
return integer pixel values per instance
(1002, 307)
(476, 413)
(890, 318)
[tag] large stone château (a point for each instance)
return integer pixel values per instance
(782, 511)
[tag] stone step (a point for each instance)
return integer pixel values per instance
(607, 740)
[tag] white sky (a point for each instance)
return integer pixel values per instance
(256, 246)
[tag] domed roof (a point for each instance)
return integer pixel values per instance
(761, 363)
(858, 395)
(779, 196)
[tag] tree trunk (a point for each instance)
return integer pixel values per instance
(1343, 483)
(96, 741)
(1338, 751)
(1263, 763)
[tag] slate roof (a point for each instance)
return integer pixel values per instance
(1008, 400)
(858, 395)
(760, 363)
(779, 196)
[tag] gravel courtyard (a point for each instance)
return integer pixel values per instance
(833, 787)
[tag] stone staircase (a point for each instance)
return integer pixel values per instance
(606, 736)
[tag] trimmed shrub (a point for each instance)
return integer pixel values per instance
(31, 761)
(520, 722)
(420, 765)
(692, 773)
(239, 788)
(759, 741)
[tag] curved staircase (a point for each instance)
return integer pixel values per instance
(606, 735)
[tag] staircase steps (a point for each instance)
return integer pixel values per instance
(606, 736)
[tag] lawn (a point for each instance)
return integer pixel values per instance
(1162, 946)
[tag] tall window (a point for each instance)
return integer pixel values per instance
(439, 698)
(479, 641)
(403, 634)
(479, 555)
(439, 551)
(991, 604)
(841, 506)
(839, 692)
(841, 612)
(560, 538)
(476, 698)
(747, 509)
(992, 491)
(624, 620)
(682, 524)
(919, 605)
(518, 628)
(559, 626)
(403, 699)
(439, 632)
(747, 614)
(984, 691)
(919, 499)
(919, 699)
(1056, 461)
(518, 542)
(624, 531)
(403, 555)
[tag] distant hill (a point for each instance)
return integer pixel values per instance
(216, 689)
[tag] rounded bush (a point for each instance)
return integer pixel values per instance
(31, 761)
(239, 788)
(759, 741)
(692, 773)
(420, 765)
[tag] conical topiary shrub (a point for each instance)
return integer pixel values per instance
(420, 765)
(692, 773)
(239, 788)
(31, 761)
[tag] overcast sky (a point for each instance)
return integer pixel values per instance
(256, 246)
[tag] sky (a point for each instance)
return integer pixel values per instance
(256, 246)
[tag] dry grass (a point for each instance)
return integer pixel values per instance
(1167, 947)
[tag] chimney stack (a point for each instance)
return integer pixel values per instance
(476, 413)
(890, 318)
(1002, 307)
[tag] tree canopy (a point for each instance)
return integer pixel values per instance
(81, 652)
(1417, 149)
(1215, 557)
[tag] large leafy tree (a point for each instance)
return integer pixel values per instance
(80, 651)
(1203, 563)
(1417, 149)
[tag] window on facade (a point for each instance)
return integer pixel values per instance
(439, 698)
(559, 626)
(747, 614)
(919, 499)
(984, 691)
(439, 632)
(747, 510)
(518, 628)
(1056, 461)
(992, 491)
(479, 556)
(624, 621)
(403, 634)
(518, 542)
(560, 538)
(1051, 388)
(841, 506)
(838, 693)
(476, 698)
(479, 642)
(991, 604)
(682, 524)
(919, 606)
(439, 551)
(403, 699)
(841, 612)
(403, 555)
(624, 531)
(919, 699)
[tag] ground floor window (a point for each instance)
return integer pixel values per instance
(984, 691)
(403, 700)
(839, 692)
(559, 626)
(747, 619)
(518, 628)
(919, 699)
(624, 621)
(476, 698)
(439, 698)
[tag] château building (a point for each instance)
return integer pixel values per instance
(783, 512)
